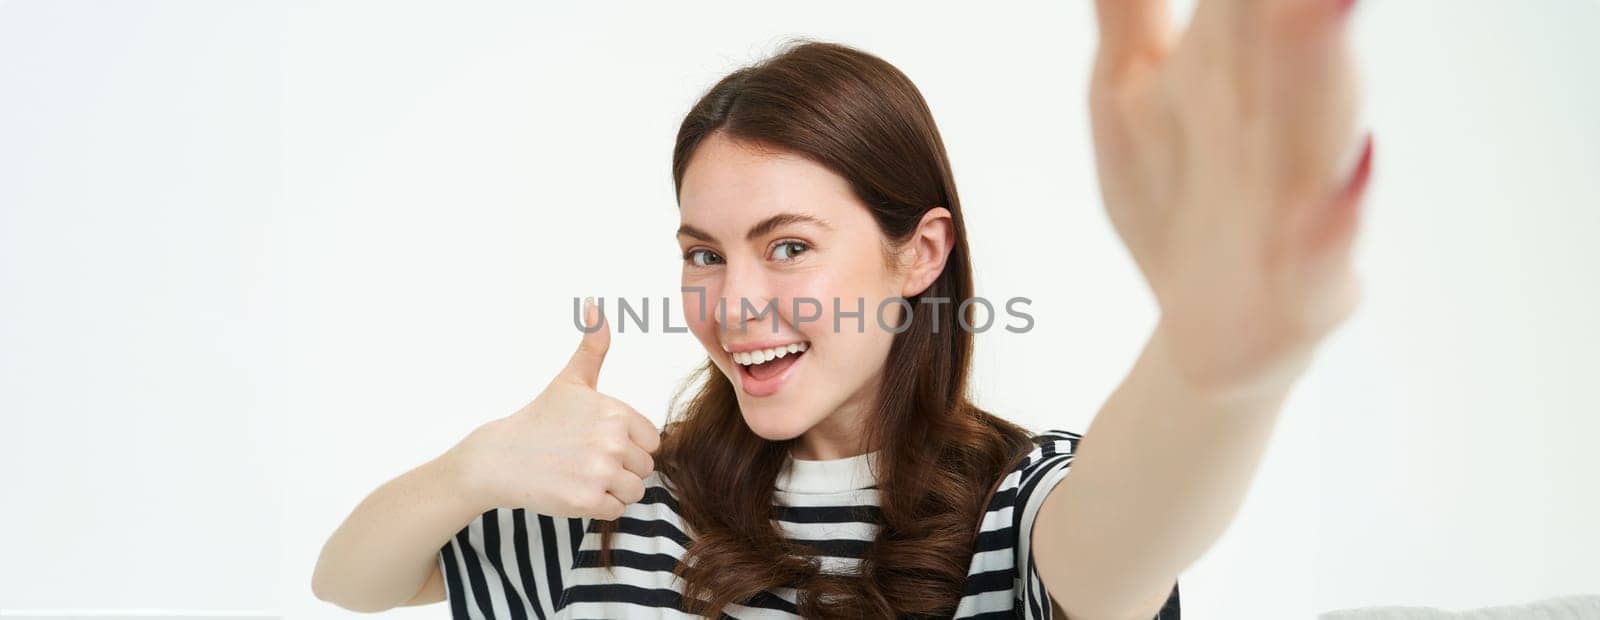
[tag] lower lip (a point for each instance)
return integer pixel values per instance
(770, 385)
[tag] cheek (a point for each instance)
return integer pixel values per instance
(807, 302)
(816, 301)
(699, 316)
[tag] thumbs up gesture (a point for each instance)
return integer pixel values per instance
(571, 452)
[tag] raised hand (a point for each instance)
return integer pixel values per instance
(1232, 167)
(570, 452)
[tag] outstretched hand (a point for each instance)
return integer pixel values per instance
(1233, 168)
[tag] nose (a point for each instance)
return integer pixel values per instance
(745, 298)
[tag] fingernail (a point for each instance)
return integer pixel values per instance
(1363, 170)
(588, 312)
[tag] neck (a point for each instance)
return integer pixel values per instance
(840, 435)
(843, 433)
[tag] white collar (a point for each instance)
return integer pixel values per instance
(829, 476)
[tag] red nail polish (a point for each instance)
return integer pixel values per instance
(1363, 171)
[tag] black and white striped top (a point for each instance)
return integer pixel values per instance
(511, 564)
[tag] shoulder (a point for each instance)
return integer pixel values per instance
(1043, 450)
(1035, 473)
(1050, 447)
(1056, 438)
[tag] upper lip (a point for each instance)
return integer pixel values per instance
(746, 347)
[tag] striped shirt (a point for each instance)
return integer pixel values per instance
(511, 564)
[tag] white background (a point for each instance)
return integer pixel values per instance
(257, 259)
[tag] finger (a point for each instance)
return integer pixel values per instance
(610, 507)
(584, 367)
(637, 461)
(1298, 18)
(1224, 29)
(626, 488)
(1323, 280)
(1132, 28)
(1313, 96)
(1328, 228)
(643, 432)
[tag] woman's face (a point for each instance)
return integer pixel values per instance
(784, 240)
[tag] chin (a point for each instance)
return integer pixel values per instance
(774, 423)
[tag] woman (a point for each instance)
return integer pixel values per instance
(829, 464)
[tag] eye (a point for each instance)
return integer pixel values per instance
(701, 257)
(788, 249)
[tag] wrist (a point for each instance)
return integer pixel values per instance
(456, 482)
(1211, 369)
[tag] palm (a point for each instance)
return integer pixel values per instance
(1224, 156)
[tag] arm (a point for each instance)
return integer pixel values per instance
(1160, 473)
(1228, 167)
(386, 551)
(432, 590)
(571, 452)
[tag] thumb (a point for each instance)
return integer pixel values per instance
(584, 367)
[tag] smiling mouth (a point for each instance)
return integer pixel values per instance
(768, 363)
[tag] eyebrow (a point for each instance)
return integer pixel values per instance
(761, 228)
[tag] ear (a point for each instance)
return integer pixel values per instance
(931, 243)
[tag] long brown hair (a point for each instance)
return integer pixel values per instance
(941, 456)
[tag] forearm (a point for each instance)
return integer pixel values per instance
(385, 550)
(1159, 474)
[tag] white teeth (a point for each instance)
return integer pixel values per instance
(763, 356)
